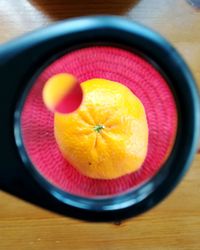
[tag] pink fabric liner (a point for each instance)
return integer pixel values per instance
(113, 64)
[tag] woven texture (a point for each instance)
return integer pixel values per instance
(113, 64)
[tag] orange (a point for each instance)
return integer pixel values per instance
(107, 136)
(56, 88)
(62, 93)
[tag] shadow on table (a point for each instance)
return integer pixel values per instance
(61, 9)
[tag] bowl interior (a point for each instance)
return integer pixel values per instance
(142, 76)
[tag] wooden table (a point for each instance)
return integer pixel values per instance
(175, 223)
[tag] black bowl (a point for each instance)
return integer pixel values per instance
(21, 62)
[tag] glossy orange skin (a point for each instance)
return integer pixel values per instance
(56, 88)
(107, 137)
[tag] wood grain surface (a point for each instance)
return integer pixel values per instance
(173, 224)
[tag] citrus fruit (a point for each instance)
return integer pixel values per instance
(107, 136)
(62, 93)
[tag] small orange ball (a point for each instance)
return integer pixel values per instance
(62, 93)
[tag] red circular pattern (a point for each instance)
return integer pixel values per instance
(113, 64)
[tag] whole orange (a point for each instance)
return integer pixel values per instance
(107, 136)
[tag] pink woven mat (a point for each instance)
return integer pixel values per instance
(113, 64)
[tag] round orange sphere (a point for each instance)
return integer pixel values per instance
(107, 136)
